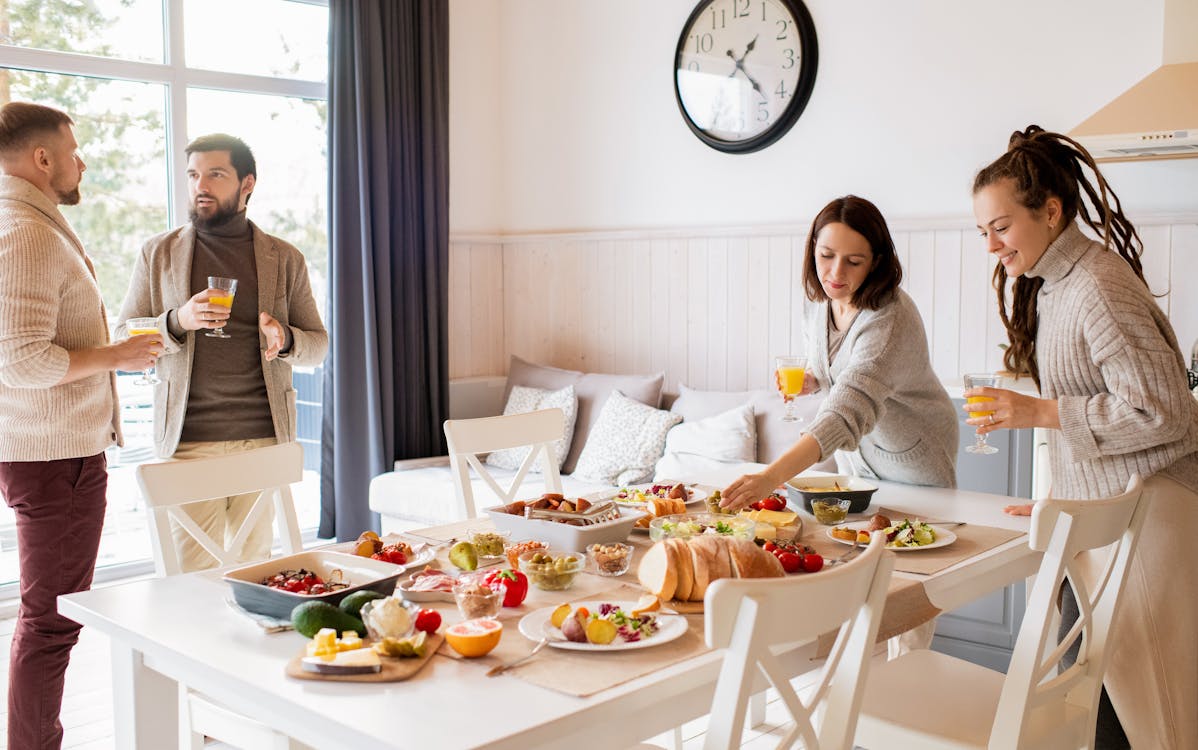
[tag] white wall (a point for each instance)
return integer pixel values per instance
(562, 112)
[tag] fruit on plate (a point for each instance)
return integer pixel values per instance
(309, 618)
(352, 604)
(414, 645)
(601, 632)
(474, 637)
(682, 569)
(574, 628)
(464, 556)
(428, 620)
(647, 603)
(559, 615)
(397, 554)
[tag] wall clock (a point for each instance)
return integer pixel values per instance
(744, 70)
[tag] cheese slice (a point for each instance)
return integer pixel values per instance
(772, 517)
(357, 661)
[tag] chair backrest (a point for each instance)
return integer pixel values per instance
(170, 484)
(1107, 531)
(466, 438)
(749, 616)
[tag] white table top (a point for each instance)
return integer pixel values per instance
(186, 631)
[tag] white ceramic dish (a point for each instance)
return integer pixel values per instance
(404, 590)
(535, 626)
(698, 493)
(563, 535)
(422, 552)
(944, 537)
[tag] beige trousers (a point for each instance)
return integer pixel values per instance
(1152, 676)
(222, 517)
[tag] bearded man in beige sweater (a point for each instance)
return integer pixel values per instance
(58, 405)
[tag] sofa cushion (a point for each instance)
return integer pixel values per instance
(704, 445)
(592, 390)
(522, 400)
(426, 496)
(774, 437)
(626, 442)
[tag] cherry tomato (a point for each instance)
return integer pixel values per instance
(755, 505)
(791, 562)
(773, 502)
(428, 620)
(769, 546)
(813, 563)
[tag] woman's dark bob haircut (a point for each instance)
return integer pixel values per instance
(864, 218)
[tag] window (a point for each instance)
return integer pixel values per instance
(252, 68)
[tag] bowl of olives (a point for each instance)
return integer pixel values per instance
(551, 569)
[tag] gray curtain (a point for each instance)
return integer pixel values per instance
(386, 386)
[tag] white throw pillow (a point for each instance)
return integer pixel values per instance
(523, 400)
(625, 443)
(707, 444)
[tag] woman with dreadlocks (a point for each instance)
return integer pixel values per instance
(1084, 325)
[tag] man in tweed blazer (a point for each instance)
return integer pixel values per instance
(224, 395)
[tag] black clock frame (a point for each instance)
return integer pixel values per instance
(805, 27)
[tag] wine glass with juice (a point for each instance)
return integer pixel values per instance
(981, 380)
(790, 371)
(228, 288)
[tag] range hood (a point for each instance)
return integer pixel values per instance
(1158, 117)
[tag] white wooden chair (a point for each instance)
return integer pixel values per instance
(751, 616)
(466, 438)
(927, 700)
(167, 486)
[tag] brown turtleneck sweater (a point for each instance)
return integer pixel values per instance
(227, 396)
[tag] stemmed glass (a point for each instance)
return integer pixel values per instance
(790, 369)
(229, 288)
(981, 380)
(144, 327)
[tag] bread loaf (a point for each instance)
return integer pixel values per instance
(682, 569)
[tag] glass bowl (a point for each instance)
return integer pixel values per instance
(612, 559)
(475, 599)
(830, 510)
(488, 543)
(552, 569)
(687, 525)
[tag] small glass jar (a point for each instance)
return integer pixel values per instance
(611, 559)
(551, 570)
(476, 600)
(830, 510)
(489, 543)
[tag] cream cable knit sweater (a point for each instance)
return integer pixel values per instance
(49, 305)
(1107, 353)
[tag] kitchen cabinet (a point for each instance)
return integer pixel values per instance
(984, 630)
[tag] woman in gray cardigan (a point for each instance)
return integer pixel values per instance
(1084, 325)
(867, 343)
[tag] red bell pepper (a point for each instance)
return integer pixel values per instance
(514, 583)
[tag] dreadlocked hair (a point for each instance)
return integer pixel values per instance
(1042, 165)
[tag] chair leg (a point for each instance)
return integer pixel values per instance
(677, 738)
(757, 709)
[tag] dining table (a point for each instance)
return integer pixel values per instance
(182, 630)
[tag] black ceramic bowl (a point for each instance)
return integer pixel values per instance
(362, 573)
(803, 489)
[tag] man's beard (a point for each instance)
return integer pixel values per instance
(225, 210)
(66, 197)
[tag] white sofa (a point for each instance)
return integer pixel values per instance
(420, 492)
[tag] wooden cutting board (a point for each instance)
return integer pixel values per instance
(393, 669)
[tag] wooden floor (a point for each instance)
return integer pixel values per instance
(87, 702)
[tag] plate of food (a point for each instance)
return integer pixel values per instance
(904, 536)
(640, 495)
(602, 626)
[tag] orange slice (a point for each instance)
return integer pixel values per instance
(474, 637)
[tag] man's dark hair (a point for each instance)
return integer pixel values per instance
(21, 122)
(239, 153)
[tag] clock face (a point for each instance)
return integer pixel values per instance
(743, 71)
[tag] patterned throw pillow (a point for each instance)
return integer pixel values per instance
(523, 400)
(625, 443)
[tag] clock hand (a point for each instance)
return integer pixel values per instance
(749, 48)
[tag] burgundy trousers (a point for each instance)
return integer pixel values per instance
(60, 511)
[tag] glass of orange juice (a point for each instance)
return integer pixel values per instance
(789, 372)
(981, 380)
(144, 327)
(228, 288)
